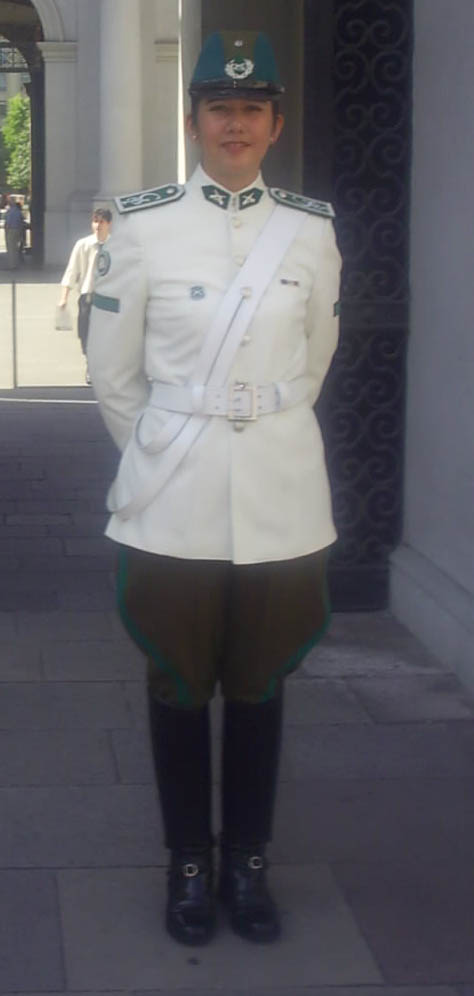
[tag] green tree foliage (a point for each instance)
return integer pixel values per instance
(16, 138)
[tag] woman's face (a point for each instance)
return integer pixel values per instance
(234, 135)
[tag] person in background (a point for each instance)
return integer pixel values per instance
(13, 232)
(213, 325)
(80, 272)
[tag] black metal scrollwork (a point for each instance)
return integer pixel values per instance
(362, 405)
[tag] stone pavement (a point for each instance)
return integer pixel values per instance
(32, 351)
(374, 840)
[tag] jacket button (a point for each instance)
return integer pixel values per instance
(238, 426)
(246, 291)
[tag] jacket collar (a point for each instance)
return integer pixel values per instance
(221, 197)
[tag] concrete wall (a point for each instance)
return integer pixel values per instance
(433, 570)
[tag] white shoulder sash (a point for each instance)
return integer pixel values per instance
(219, 348)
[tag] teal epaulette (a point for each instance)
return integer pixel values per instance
(301, 203)
(150, 198)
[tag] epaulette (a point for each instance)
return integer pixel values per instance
(150, 198)
(301, 203)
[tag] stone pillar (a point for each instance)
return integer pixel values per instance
(191, 38)
(120, 97)
(60, 144)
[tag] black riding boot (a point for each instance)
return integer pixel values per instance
(181, 750)
(251, 748)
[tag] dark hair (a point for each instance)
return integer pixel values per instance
(102, 214)
(195, 104)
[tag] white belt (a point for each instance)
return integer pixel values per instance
(236, 402)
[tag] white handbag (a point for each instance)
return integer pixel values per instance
(63, 319)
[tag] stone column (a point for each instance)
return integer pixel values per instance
(120, 97)
(191, 35)
(60, 144)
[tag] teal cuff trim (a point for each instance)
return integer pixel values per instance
(106, 303)
(142, 641)
(296, 658)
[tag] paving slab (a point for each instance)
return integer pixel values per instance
(297, 990)
(116, 916)
(322, 701)
(426, 750)
(350, 647)
(7, 622)
(294, 990)
(30, 937)
(413, 697)
(92, 660)
(20, 661)
(62, 706)
(417, 917)
(133, 756)
(49, 757)
(373, 820)
(89, 601)
(62, 827)
(51, 626)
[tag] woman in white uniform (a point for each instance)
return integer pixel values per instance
(214, 324)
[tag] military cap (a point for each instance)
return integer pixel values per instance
(236, 63)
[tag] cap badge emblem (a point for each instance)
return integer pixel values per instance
(239, 69)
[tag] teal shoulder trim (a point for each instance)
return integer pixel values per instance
(106, 303)
(150, 198)
(301, 203)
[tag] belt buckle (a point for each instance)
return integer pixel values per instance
(235, 412)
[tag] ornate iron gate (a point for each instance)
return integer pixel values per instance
(357, 153)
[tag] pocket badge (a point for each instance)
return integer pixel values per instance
(103, 262)
(197, 292)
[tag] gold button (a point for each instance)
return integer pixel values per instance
(238, 426)
(246, 291)
(236, 222)
(246, 339)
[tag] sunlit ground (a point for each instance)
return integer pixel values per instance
(32, 351)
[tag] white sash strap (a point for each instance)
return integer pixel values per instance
(223, 338)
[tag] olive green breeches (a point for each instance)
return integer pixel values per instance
(203, 622)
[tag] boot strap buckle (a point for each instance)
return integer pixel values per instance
(190, 870)
(256, 862)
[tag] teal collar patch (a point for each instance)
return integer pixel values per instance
(216, 196)
(150, 198)
(286, 197)
(221, 198)
(248, 198)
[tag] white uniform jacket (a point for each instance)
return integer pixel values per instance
(245, 491)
